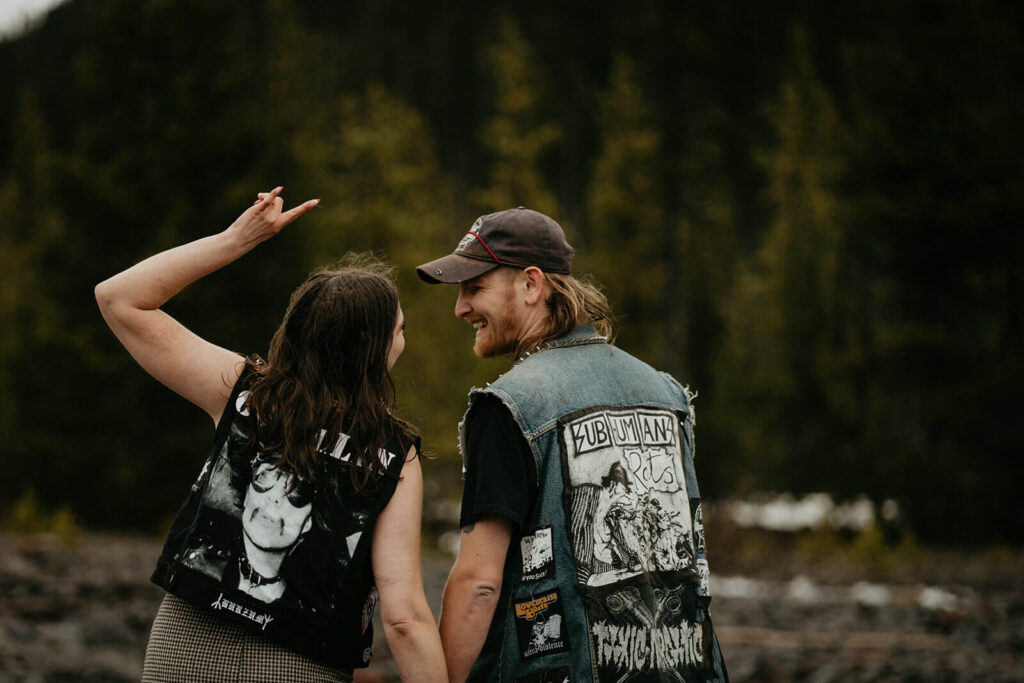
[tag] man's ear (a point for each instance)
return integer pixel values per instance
(533, 283)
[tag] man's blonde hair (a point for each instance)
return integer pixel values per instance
(570, 302)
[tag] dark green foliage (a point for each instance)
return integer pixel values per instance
(809, 212)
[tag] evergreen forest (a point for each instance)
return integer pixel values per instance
(812, 213)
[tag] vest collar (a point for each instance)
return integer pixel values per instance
(583, 334)
(579, 336)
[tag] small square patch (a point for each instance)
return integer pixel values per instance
(560, 675)
(540, 625)
(538, 556)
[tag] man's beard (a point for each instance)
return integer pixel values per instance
(500, 338)
(494, 346)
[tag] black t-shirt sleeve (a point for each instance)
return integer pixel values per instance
(500, 471)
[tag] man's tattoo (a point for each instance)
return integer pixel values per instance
(468, 529)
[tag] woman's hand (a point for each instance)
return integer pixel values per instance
(265, 218)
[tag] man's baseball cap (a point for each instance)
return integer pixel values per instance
(518, 238)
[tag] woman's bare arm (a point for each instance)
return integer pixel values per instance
(408, 622)
(130, 301)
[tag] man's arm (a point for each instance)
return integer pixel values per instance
(471, 593)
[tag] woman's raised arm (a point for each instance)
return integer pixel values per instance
(130, 302)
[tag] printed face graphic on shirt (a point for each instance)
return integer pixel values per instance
(277, 508)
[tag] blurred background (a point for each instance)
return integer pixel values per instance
(811, 213)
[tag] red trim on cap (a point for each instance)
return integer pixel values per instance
(477, 235)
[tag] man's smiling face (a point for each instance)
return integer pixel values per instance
(488, 303)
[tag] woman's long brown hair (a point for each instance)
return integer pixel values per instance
(327, 370)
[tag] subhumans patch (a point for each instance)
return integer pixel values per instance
(538, 556)
(628, 508)
(540, 625)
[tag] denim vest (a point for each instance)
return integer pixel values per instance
(609, 580)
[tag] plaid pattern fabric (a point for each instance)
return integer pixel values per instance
(195, 646)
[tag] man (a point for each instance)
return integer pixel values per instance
(582, 552)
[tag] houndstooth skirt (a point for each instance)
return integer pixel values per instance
(195, 646)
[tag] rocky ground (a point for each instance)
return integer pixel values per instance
(784, 611)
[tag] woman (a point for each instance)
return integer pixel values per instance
(310, 500)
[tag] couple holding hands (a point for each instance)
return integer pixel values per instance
(582, 548)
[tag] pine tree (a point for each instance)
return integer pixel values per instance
(623, 212)
(784, 315)
(516, 137)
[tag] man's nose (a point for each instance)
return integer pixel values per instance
(461, 306)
